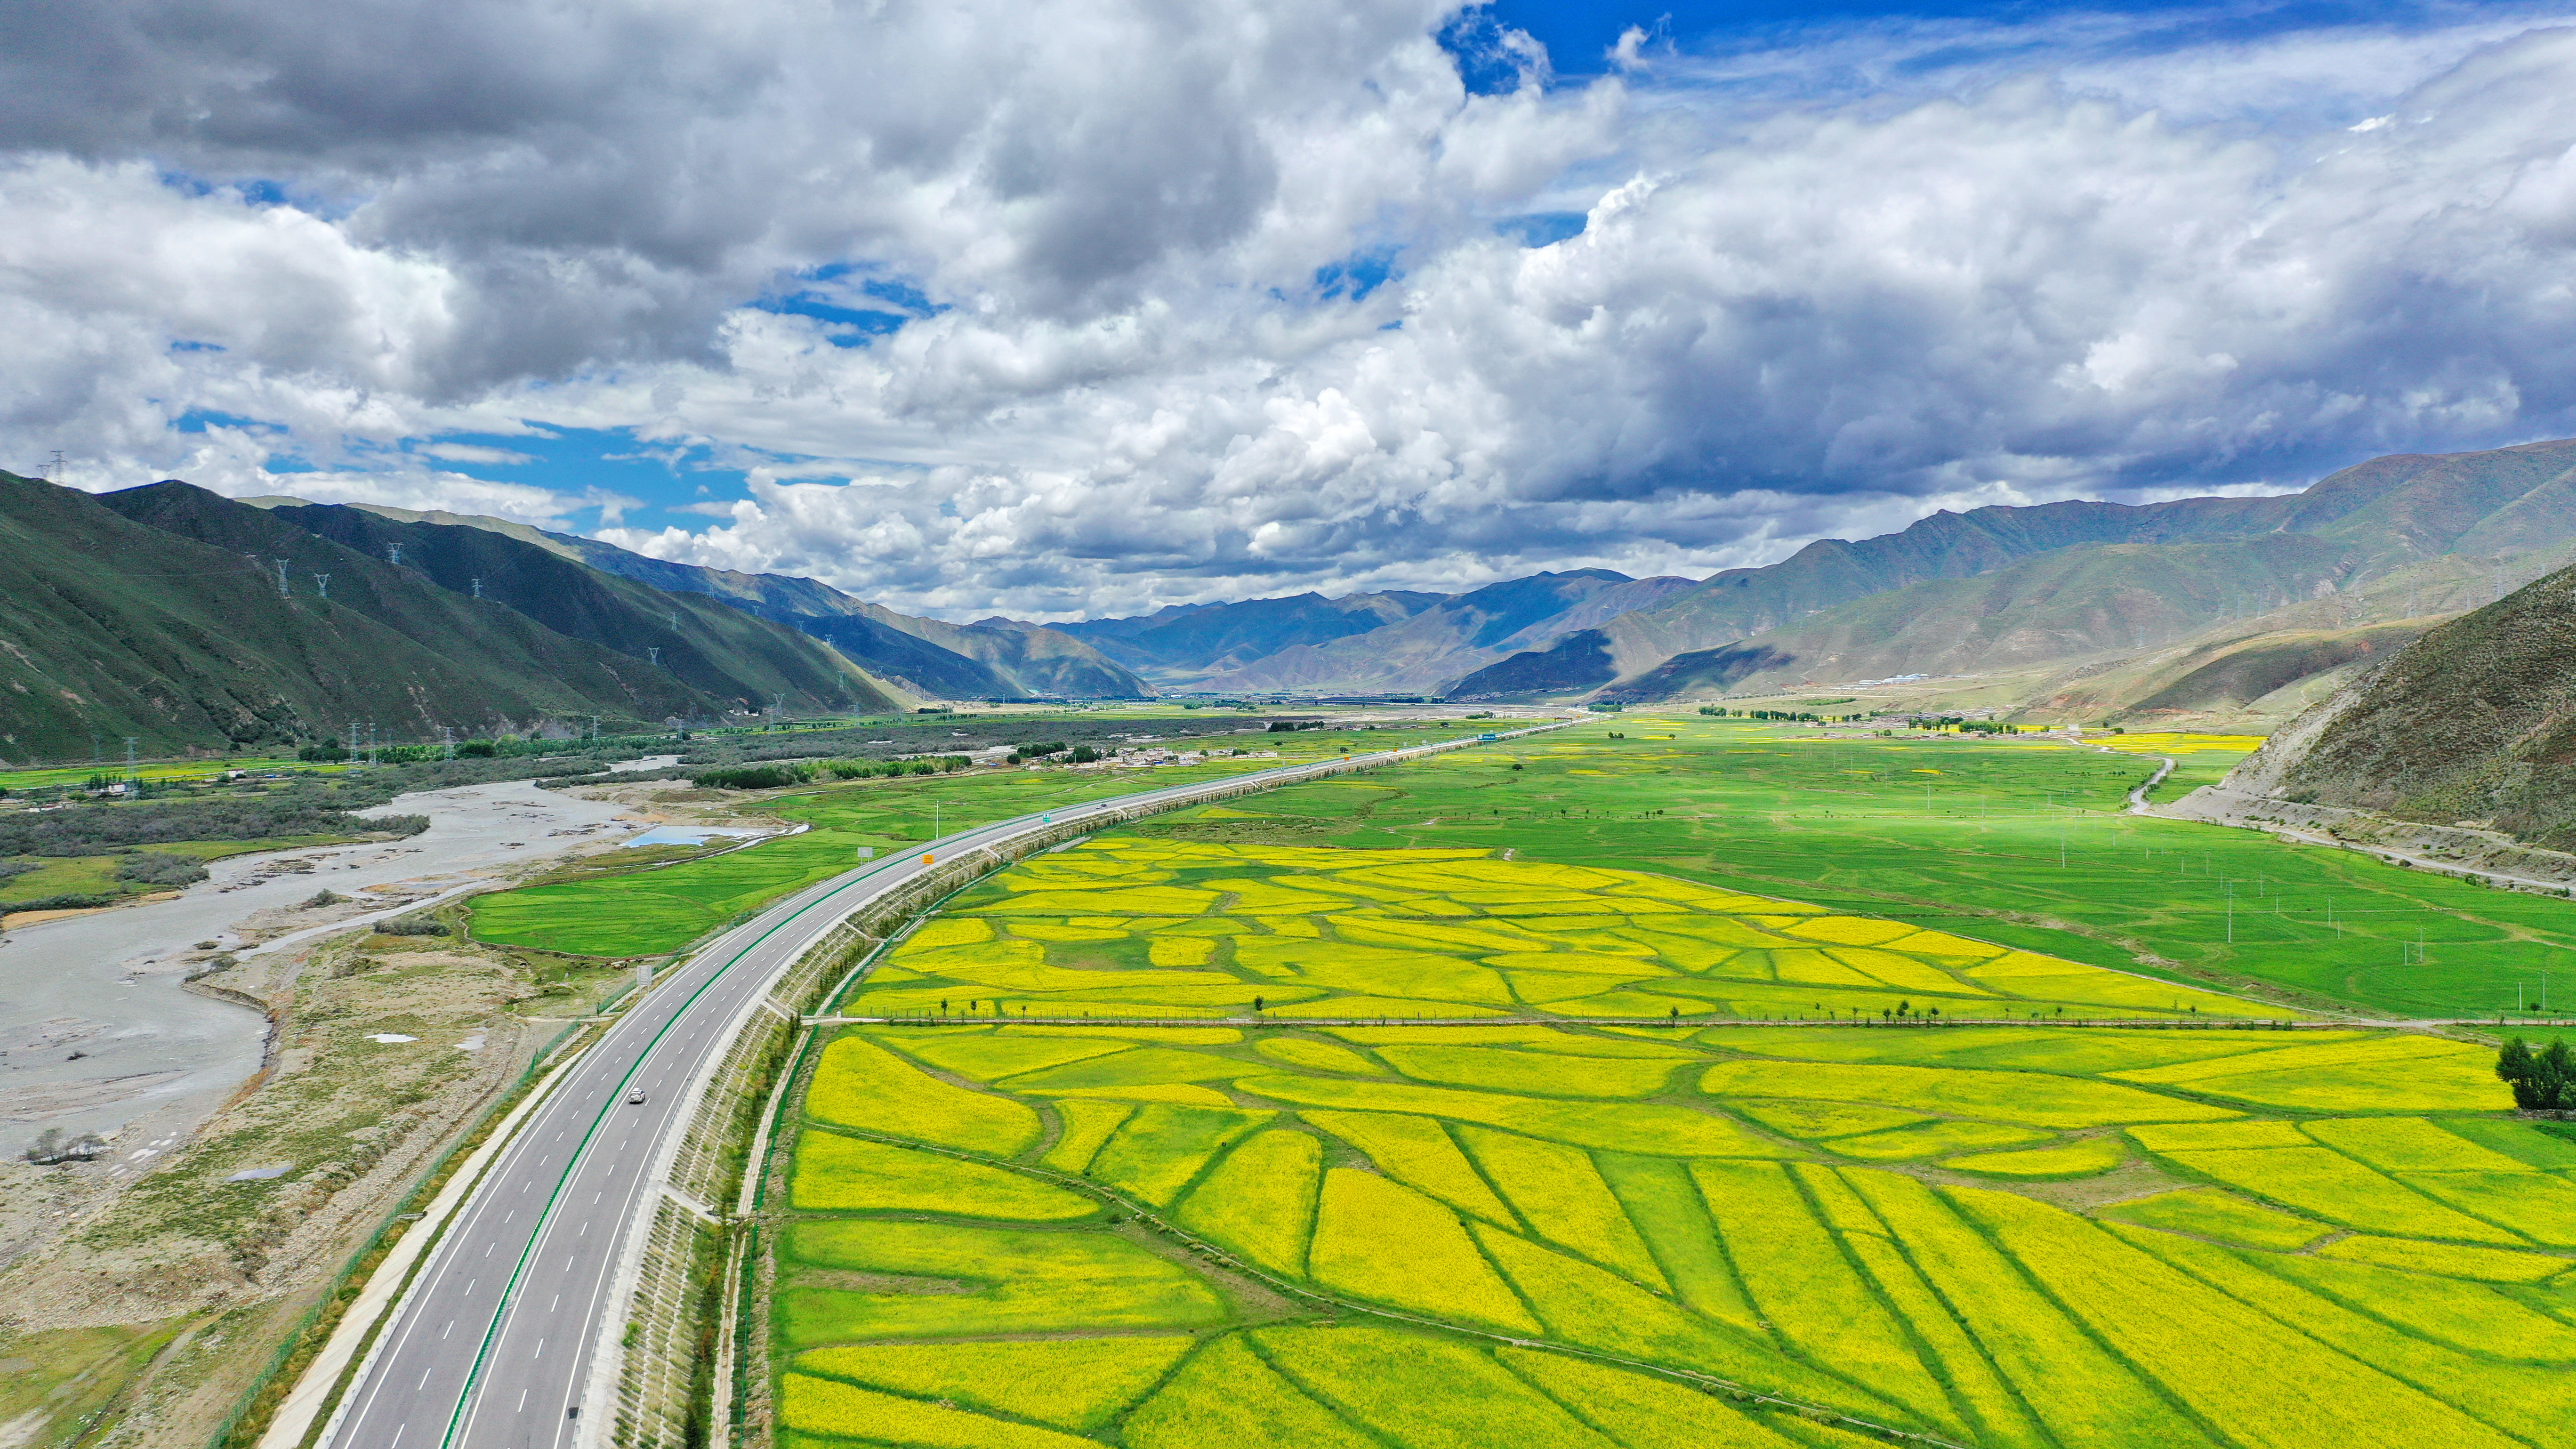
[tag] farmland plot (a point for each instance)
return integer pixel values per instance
(1319, 1230)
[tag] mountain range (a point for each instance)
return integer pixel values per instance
(994, 659)
(186, 620)
(159, 612)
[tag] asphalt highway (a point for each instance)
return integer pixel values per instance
(491, 1346)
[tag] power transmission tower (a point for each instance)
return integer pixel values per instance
(656, 651)
(675, 621)
(322, 585)
(447, 736)
(393, 554)
(478, 588)
(351, 753)
(281, 578)
(54, 469)
(129, 745)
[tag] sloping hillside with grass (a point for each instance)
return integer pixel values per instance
(2476, 720)
(724, 651)
(110, 628)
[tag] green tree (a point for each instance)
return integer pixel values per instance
(2542, 1081)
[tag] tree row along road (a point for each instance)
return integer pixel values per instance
(492, 1346)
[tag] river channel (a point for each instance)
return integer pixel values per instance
(96, 1032)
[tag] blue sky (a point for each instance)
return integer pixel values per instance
(1113, 304)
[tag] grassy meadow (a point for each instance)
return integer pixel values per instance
(1122, 926)
(2020, 843)
(604, 908)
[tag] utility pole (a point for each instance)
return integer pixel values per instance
(322, 585)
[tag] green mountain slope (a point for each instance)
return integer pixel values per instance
(110, 628)
(721, 650)
(2476, 720)
(994, 659)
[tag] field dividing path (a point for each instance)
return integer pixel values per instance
(493, 1344)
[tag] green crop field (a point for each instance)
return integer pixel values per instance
(59, 777)
(1332, 934)
(660, 908)
(1640, 1205)
(2020, 843)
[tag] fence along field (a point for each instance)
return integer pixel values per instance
(1309, 1234)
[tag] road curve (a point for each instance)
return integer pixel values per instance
(491, 1346)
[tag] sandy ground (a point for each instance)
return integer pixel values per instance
(96, 1032)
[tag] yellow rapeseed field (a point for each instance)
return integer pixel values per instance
(1173, 1221)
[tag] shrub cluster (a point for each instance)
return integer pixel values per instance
(2542, 1081)
(95, 829)
(66, 902)
(148, 868)
(411, 926)
(55, 1145)
(780, 773)
(753, 777)
(873, 769)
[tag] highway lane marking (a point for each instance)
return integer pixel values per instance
(444, 1332)
(714, 972)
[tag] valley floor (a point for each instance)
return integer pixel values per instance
(1244, 1227)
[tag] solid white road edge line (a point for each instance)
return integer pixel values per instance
(295, 1415)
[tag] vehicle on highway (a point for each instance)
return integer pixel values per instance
(635, 1098)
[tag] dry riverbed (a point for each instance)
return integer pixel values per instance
(272, 1080)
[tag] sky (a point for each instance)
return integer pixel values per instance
(1086, 307)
